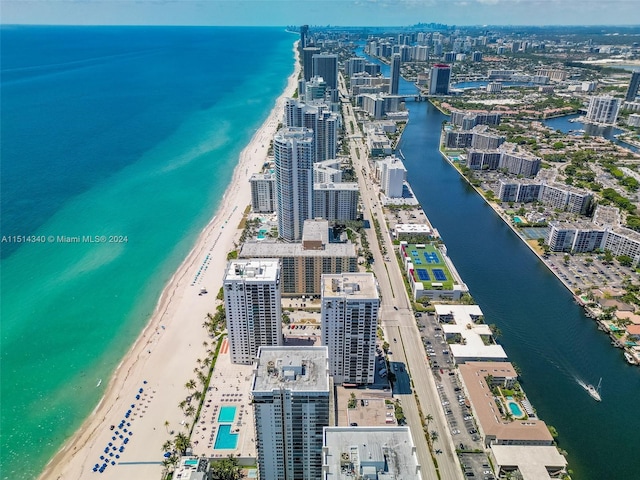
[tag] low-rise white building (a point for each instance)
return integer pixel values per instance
(475, 338)
(533, 462)
(373, 453)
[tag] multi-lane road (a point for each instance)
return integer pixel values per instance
(414, 377)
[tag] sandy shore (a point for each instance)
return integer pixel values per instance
(150, 380)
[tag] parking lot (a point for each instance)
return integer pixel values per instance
(455, 405)
(579, 272)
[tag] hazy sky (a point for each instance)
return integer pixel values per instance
(321, 12)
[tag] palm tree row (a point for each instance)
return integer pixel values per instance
(196, 389)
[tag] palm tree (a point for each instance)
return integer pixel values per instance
(191, 384)
(226, 469)
(429, 418)
(167, 446)
(181, 442)
(206, 362)
(166, 425)
(197, 395)
(190, 410)
(182, 404)
(434, 435)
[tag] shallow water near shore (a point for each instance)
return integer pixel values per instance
(123, 132)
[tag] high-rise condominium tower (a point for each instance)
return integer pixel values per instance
(395, 74)
(326, 66)
(291, 396)
(349, 312)
(634, 84)
(294, 153)
(253, 306)
(439, 79)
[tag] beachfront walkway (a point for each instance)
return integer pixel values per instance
(226, 426)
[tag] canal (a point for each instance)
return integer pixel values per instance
(543, 331)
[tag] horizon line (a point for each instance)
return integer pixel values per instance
(415, 25)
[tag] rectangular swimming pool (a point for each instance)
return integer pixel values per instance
(225, 440)
(227, 414)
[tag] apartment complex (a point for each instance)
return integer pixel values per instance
(336, 201)
(294, 153)
(291, 401)
(263, 192)
(302, 264)
(395, 73)
(253, 306)
(603, 110)
(490, 410)
(392, 174)
(315, 115)
(439, 79)
(349, 311)
(563, 197)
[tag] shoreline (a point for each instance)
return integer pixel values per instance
(500, 213)
(158, 362)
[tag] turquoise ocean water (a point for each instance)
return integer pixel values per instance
(127, 131)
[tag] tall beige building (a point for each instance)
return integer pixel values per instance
(302, 264)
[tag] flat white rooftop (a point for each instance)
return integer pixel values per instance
(369, 452)
(302, 369)
(474, 346)
(532, 461)
(349, 285)
(260, 270)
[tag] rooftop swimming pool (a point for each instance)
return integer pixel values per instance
(227, 414)
(225, 440)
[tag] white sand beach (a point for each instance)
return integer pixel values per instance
(150, 380)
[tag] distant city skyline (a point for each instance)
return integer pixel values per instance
(320, 12)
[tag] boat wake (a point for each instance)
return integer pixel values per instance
(591, 390)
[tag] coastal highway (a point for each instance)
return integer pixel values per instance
(399, 325)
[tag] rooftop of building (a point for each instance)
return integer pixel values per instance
(252, 269)
(392, 162)
(315, 230)
(532, 461)
(519, 181)
(606, 216)
(349, 285)
(192, 468)
(514, 149)
(473, 334)
(303, 369)
(262, 176)
(281, 249)
(412, 228)
(346, 186)
(487, 413)
(429, 266)
(576, 225)
(370, 452)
